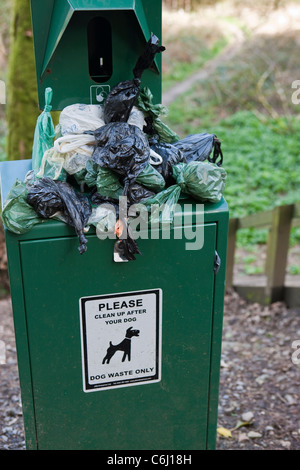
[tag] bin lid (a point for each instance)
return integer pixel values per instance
(63, 55)
(51, 18)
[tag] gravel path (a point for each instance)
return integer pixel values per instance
(259, 384)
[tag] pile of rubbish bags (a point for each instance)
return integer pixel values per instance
(99, 153)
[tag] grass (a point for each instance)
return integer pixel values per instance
(181, 69)
(257, 78)
(261, 160)
(294, 269)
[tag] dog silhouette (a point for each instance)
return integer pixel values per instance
(124, 346)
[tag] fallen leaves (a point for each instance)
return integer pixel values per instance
(247, 420)
(224, 432)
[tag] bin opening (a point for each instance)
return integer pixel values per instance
(100, 49)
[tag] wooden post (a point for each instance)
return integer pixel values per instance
(233, 226)
(277, 252)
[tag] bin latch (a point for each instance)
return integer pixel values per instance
(217, 263)
(118, 253)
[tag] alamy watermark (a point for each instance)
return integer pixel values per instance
(2, 349)
(296, 94)
(152, 222)
(296, 353)
(2, 92)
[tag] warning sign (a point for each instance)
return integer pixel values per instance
(121, 339)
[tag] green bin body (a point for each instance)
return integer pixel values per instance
(166, 396)
(113, 355)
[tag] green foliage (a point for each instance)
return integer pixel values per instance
(262, 164)
(2, 148)
(196, 54)
(295, 236)
(261, 160)
(294, 269)
(250, 269)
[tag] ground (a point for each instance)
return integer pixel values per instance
(259, 376)
(259, 382)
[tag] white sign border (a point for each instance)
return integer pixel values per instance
(128, 382)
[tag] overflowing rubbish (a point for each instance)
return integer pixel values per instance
(78, 118)
(100, 153)
(44, 132)
(49, 197)
(199, 147)
(203, 181)
(153, 112)
(122, 97)
(123, 148)
(17, 215)
(170, 154)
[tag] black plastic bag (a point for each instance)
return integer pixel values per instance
(146, 59)
(126, 247)
(137, 193)
(48, 197)
(171, 155)
(120, 100)
(122, 148)
(198, 147)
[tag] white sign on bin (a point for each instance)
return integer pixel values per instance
(121, 339)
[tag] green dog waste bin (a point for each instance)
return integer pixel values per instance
(114, 356)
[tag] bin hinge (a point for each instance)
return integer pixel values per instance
(217, 263)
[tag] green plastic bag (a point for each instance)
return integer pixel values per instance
(153, 111)
(106, 181)
(91, 173)
(17, 215)
(166, 199)
(52, 166)
(151, 179)
(203, 181)
(108, 184)
(44, 133)
(104, 218)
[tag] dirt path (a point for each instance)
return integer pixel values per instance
(237, 39)
(280, 21)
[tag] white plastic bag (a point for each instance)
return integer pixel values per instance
(75, 162)
(104, 219)
(70, 143)
(78, 118)
(136, 118)
(52, 165)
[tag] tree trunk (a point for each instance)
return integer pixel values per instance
(22, 100)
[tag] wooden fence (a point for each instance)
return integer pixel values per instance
(279, 222)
